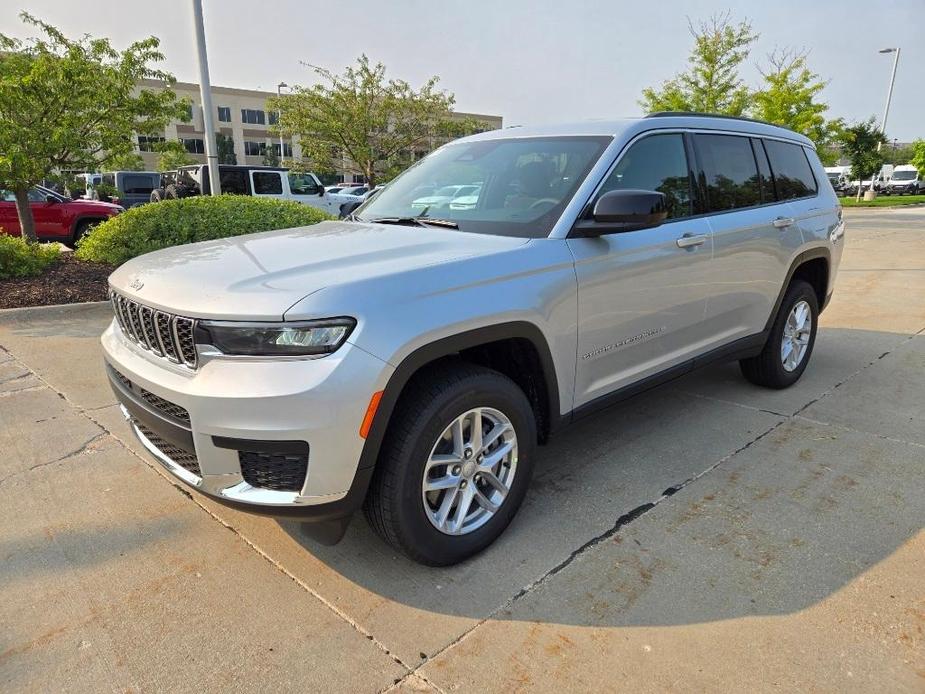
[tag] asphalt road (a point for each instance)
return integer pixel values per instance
(708, 535)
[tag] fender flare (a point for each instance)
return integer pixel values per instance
(448, 346)
(811, 254)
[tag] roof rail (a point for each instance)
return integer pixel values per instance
(697, 114)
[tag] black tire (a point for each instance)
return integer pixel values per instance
(174, 192)
(158, 194)
(767, 369)
(394, 506)
(80, 231)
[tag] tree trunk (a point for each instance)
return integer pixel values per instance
(370, 176)
(26, 220)
(861, 188)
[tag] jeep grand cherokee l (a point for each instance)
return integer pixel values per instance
(408, 360)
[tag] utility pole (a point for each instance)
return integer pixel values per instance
(889, 94)
(279, 93)
(205, 93)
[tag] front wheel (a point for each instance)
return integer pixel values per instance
(455, 464)
(790, 343)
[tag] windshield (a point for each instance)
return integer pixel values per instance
(903, 175)
(834, 176)
(507, 187)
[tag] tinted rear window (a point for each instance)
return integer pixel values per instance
(135, 183)
(793, 176)
(267, 183)
(729, 172)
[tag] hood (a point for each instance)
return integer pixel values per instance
(259, 276)
(91, 205)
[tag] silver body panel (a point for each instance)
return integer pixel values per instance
(613, 309)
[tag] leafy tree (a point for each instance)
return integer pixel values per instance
(860, 144)
(71, 103)
(124, 161)
(829, 155)
(899, 154)
(711, 83)
(918, 156)
(789, 98)
(270, 157)
(224, 145)
(173, 155)
(364, 122)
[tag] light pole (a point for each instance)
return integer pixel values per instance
(279, 93)
(889, 94)
(205, 93)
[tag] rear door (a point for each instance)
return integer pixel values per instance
(642, 294)
(9, 219)
(754, 234)
(267, 184)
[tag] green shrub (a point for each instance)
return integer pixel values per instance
(19, 259)
(187, 220)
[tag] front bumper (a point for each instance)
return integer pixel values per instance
(230, 405)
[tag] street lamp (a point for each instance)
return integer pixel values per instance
(279, 93)
(889, 94)
(205, 94)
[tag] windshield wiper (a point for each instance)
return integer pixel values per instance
(408, 221)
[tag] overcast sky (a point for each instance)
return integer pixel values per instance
(530, 61)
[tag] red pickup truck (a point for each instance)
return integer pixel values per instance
(57, 218)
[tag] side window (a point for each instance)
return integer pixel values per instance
(301, 184)
(793, 176)
(728, 171)
(35, 195)
(267, 183)
(656, 162)
(109, 179)
(234, 181)
(764, 172)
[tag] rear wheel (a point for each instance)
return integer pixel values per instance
(455, 465)
(790, 344)
(158, 194)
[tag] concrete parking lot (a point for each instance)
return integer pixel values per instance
(708, 535)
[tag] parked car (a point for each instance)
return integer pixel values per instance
(133, 187)
(259, 181)
(839, 177)
(57, 217)
(905, 180)
(409, 362)
(354, 190)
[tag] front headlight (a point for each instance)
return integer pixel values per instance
(304, 338)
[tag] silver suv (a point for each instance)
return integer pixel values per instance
(409, 359)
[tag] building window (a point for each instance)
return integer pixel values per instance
(273, 117)
(224, 114)
(194, 145)
(254, 149)
(148, 143)
(287, 149)
(253, 116)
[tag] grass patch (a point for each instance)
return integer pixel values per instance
(884, 201)
(20, 259)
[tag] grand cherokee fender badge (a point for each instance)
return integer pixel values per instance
(623, 343)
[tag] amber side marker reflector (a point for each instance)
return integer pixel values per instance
(370, 413)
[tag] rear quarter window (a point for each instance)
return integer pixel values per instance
(793, 176)
(135, 183)
(729, 172)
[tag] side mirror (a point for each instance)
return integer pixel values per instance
(619, 211)
(51, 199)
(320, 191)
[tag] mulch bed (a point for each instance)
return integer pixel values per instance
(67, 282)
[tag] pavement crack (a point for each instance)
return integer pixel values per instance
(621, 522)
(60, 459)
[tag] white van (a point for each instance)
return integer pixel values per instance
(906, 179)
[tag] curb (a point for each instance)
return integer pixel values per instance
(52, 310)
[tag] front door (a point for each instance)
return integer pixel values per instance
(642, 294)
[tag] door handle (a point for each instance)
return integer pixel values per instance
(688, 241)
(783, 222)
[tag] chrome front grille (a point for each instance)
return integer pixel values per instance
(163, 334)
